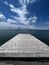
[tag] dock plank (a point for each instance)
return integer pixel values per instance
(24, 45)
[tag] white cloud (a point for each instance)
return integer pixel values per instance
(6, 3)
(22, 19)
(33, 19)
(26, 2)
(2, 17)
(11, 6)
(22, 12)
(32, 1)
(7, 25)
(11, 21)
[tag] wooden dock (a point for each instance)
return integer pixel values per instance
(24, 45)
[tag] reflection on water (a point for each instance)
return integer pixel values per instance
(5, 35)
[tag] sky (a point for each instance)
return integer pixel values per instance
(24, 14)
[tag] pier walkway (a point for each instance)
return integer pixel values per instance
(24, 45)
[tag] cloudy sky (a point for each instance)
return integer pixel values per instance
(24, 14)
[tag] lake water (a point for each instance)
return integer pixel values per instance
(6, 34)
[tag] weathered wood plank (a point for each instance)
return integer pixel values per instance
(24, 45)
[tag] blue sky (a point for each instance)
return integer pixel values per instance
(31, 14)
